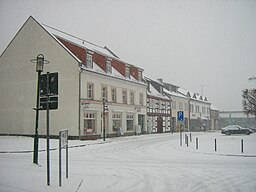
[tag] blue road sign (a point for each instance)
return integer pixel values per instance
(180, 116)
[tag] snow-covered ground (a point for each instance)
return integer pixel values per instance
(154, 162)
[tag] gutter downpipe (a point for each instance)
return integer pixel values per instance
(189, 114)
(79, 101)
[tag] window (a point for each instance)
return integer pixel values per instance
(108, 67)
(124, 95)
(113, 95)
(186, 106)
(141, 99)
(180, 106)
(192, 108)
(197, 109)
(127, 72)
(116, 121)
(140, 76)
(104, 92)
(163, 106)
(89, 61)
(90, 91)
(89, 123)
(203, 110)
(169, 107)
(132, 98)
(156, 106)
(173, 104)
(129, 121)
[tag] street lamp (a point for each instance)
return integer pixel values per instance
(105, 109)
(40, 61)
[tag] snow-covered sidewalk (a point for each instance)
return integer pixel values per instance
(154, 162)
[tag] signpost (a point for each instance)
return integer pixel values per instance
(63, 143)
(180, 115)
(48, 101)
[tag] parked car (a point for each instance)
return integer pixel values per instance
(252, 128)
(235, 129)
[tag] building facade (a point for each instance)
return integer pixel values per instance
(199, 111)
(158, 108)
(179, 103)
(215, 118)
(88, 75)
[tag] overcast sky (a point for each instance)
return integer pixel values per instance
(186, 42)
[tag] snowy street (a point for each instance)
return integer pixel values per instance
(154, 162)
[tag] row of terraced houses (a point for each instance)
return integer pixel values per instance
(92, 79)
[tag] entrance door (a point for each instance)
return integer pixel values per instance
(159, 124)
(141, 122)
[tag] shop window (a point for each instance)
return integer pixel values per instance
(89, 123)
(129, 122)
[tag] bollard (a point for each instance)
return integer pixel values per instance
(196, 143)
(190, 135)
(242, 145)
(215, 144)
(180, 138)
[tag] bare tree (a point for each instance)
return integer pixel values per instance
(249, 99)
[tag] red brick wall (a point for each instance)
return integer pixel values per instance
(79, 52)
(100, 60)
(134, 72)
(119, 66)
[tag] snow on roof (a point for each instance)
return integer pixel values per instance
(80, 42)
(85, 44)
(194, 96)
(155, 93)
(176, 94)
(55, 33)
(213, 107)
(54, 37)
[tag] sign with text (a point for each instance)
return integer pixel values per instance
(63, 138)
(63, 143)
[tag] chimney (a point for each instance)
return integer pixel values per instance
(160, 80)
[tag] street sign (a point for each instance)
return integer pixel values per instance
(180, 115)
(53, 84)
(53, 103)
(63, 143)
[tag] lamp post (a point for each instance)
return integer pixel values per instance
(40, 61)
(105, 109)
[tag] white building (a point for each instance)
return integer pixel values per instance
(199, 111)
(87, 74)
(179, 103)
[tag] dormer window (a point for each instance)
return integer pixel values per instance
(127, 72)
(108, 67)
(89, 60)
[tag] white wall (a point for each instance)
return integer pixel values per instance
(18, 81)
(96, 105)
